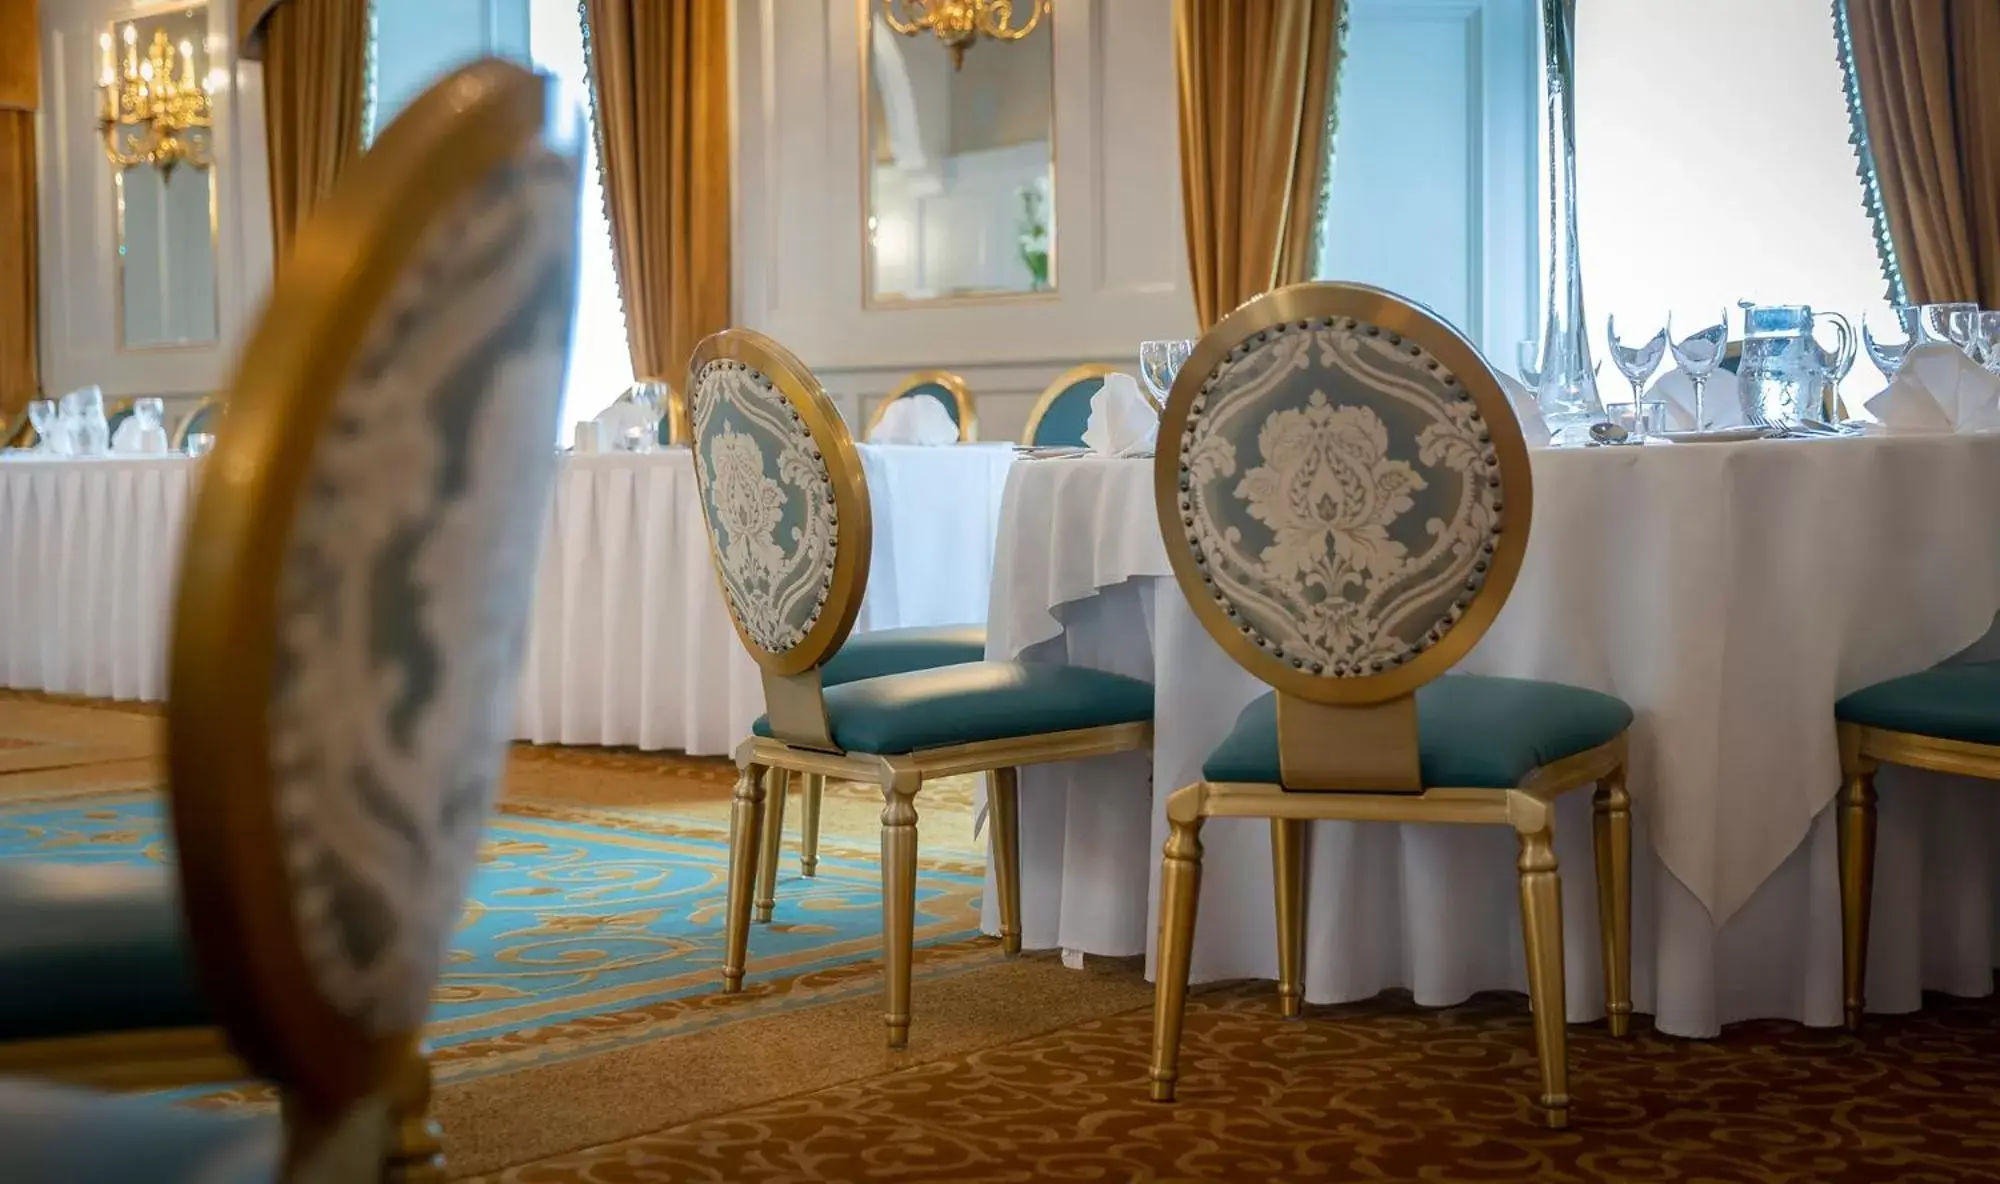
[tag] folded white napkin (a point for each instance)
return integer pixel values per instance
(1122, 420)
(1939, 389)
(1527, 409)
(915, 419)
(1718, 400)
(133, 439)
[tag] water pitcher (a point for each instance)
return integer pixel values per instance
(1782, 378)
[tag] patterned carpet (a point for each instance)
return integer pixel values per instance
(581, 1042)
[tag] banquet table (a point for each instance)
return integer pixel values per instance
(1728, 592)
(88, 555)
(630, 643)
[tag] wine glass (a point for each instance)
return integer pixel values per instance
(1989, 339)
(1888, 356)
(1698, 355)
(1637, 364)
(1159, 362)
(651, 398)
(1528, 363)
(42, 414)
(1951, 322)
(199, 443)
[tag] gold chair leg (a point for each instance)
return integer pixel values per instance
(1180, 891)
(1005, 824)
(809, 823)
(1611, 827)
(899, 900)
(775, 783)
(1541, 931)
(746, 812)
(417, 1155)
(1857, 886)
(1288, 871)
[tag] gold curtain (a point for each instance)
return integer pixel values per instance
(1257, 83)
(20, 265)
(660, 81)
(1929, 76)
(315, 55)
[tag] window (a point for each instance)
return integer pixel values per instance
(1713, 165)
(415, 43)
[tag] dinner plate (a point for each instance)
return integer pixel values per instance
(1716, 435)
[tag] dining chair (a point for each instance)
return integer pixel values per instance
(1062, 411)
(944, 386)
(202, 419)
(348, 628)
(18, 432)
(789, 530)
(1946, 720)
(1345, 497)
(121, 410)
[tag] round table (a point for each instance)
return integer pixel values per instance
(1728, 592)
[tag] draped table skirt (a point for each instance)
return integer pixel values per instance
(629, 643)
(1729, 593)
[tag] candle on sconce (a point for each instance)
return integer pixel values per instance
(107, 75)
(187, 64)
(131, 51)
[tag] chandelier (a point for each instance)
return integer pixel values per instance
(153, 111)
(958, 23)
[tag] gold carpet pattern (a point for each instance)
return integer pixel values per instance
(1023, 1070)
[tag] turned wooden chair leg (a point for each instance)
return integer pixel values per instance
(774, 836)
(1611, 824)
(899, 900)
(1542, 933)
(1288, 872)
(1857, 886)
(809, 804)
(1180, 891)
(1005, 825)
(746, 814)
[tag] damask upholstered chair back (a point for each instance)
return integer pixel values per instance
(355, 590)
(1063, 411)
(1345, 497)
(947, 388)
(787, 514)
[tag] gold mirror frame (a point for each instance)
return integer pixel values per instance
(348, 259)
(1393, 314)
(209, 182)
(853, 541)
(870, 298)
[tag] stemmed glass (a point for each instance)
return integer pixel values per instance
(1637, 364)
(1528, 363)
(650, 397)
(1698, 355)
(1888, 356)
(1954, 322)
(1989, 340)
(42, 414)
(1159, 362)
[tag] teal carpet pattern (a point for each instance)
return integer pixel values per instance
(575, 915)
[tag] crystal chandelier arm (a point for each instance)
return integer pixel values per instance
(907, 26)
(995, 17)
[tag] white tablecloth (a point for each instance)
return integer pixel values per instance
(88, 552)
(630, 642)
(1729, 593)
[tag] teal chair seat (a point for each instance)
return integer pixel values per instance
(900, 651)
(93, 949)
(1472, 732)
(903, 713)
(1959, 702)
(52, 1135)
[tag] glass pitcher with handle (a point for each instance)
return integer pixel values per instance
(1782, 378)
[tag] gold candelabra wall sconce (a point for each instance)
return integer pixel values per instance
(959, 23)
(153, 109)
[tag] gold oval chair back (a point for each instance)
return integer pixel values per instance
(1345, 497)
(944, 386)
(354, 596)
(1062, 411)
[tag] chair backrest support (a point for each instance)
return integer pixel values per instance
(947, 388)
(1345, 497)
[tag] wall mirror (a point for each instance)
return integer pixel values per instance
(958, 158)
(163, 187)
